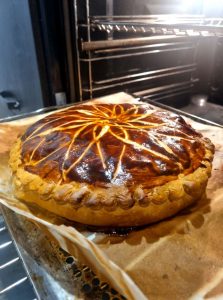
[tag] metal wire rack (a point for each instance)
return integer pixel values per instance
(159, 24)
(109, 43)
(15, 282)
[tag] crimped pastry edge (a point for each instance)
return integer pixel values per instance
(113, 206)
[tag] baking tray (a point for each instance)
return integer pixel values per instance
(53, 273)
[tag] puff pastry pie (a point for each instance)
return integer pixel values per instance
(111, 164)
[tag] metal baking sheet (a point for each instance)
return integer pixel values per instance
(54, 273)
(15, 282)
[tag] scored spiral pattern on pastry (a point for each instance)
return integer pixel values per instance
(111, 143)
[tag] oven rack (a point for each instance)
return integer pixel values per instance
(121, 44)
(162, 28)
(166, 91)
(116, 50)
(159, 24)
(135, 78)
(108, 42)
(15, 281)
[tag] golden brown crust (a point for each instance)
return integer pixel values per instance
(113, 205)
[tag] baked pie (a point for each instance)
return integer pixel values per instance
(111, 164)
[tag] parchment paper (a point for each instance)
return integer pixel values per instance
(178, 258)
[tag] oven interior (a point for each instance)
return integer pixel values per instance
(168, 53)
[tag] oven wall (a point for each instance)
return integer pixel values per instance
(19, 75)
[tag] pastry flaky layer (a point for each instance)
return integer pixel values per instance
(111, 164)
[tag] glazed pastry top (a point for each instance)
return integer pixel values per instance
(104, 144)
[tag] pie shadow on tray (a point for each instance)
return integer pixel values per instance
(181, 223)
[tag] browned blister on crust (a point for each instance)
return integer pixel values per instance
(113, 165)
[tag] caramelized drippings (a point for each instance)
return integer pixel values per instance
(106, 144)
